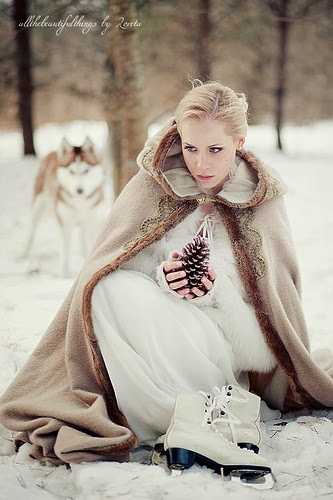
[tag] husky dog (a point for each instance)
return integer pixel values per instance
(69, 185)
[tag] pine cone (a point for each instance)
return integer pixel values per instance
(195, 260)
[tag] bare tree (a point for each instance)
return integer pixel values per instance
(281, 9)
(125, 88)
(286, 13)
(25, 86)
(204, 39)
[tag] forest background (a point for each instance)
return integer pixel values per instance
(128, 62)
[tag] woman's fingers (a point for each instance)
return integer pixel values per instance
(175, 276)
(207, 283)
(211, 274)
(171, 266)
(174, 285)
(177, 279)
(197, 292)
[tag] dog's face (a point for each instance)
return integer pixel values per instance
(79, 172)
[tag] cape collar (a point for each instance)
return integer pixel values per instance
(249, 185)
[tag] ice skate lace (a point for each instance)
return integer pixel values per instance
(207, 227)
(218, 411)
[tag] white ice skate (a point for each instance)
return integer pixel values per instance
(205, 430)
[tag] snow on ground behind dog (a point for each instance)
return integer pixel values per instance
(299, 448)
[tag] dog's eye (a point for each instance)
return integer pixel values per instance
(86, 171)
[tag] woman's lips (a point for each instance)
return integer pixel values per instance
(205, 177)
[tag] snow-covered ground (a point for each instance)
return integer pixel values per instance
(299, 448)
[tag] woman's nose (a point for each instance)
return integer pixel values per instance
(202, 162)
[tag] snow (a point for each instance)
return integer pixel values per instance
(298, 447)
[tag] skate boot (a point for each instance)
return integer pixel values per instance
(235, 413)
(193, 437)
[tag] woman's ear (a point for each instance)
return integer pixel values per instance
(240, 143)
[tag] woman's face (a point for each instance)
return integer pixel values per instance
(209, 152)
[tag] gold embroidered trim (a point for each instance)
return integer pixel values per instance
(253, 241)
(147, 158)
(165, 207)
(273, 189)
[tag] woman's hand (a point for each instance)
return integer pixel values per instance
(176, 278)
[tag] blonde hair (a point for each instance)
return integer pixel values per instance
(213, 100)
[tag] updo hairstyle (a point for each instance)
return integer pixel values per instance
(217, 102)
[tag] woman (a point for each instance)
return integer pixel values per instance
(134, 352)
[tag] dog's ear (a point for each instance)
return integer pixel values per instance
(65, 149)
(88, 146)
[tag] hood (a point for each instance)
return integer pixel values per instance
(250, 184)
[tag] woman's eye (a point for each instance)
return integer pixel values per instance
(212, 150)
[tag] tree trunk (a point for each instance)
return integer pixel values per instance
(25, 87)
(125, 109)
(204, 39)
(284, 25)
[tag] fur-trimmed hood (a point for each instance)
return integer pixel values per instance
(250, 181)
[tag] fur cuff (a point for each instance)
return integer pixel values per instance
(205, 300)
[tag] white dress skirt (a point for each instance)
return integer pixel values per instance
(154, 347)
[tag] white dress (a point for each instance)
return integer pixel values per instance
(156, 344)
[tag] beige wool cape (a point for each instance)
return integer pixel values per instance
(63, 402)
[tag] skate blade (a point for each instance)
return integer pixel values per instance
(176, 472)
(246, 478)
